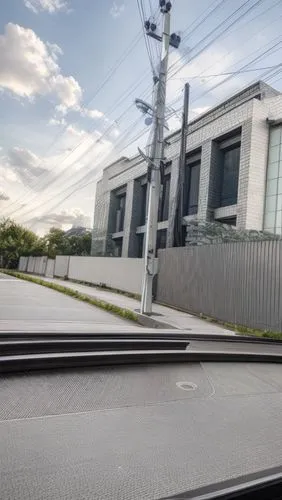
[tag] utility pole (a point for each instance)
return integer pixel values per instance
(156, 154)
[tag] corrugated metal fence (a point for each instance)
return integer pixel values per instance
(234, 282)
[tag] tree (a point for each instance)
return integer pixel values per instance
(56, 243)
(80, 244)
(16, 240)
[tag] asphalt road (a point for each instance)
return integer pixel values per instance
(29, 307)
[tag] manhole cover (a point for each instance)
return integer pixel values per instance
(186, 386)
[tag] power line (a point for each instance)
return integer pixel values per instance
(54, 180)
(90, 174)
(148, 47)
(241, 16)
(79, 143)
(229, 73)
(206, 16)
(109, 76)
(210, 89)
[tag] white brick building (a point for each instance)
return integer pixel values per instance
(233, 175)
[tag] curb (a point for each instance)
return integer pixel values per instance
(136, 317)
(150, 322)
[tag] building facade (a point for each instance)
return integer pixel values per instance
(233, 175)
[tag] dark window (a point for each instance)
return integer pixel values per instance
(161, 238)
(120, 213)
(164, 199)
(230, 221)
(191, 188)
(143, 205)
(140, 238)
(230, 176)
(117, 247)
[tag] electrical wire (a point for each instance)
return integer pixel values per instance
(79, 143)
(148, 47)
(201, 21)
(89, 174)
(237, 21)
(193, 77)
(109, 76)
(227, 28)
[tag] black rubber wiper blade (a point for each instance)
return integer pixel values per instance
(39, 345)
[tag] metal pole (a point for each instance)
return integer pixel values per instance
(156, 156)
(182, 164)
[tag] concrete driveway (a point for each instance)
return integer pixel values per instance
(29, 307)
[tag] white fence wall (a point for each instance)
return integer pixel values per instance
(61, 266)
(31, 264)
(23, 262)
(50, 267)
(40, 265)
(120, 273)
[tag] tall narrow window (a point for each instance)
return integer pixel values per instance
(120, 213)
(161, 238)
(164, 200)
(230, 176)
(191, 187)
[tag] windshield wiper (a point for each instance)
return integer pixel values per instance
(43, 352)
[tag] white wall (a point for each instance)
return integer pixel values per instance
(40, 265)
(30, 265)
(61, 266)
(23, 264)
(120, 273)
(50, 267)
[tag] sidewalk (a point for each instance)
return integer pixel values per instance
(171, 317)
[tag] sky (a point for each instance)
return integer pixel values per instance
(70, 71)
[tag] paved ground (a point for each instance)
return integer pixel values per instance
(177, 319)
(29, 307)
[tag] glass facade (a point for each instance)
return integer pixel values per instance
(273, 197)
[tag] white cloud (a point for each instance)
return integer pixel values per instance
(195, 112)
(117, 10)
(50, 6)
(57, 122)
(38, 178)
(75, 217)
(115, 133)
(25, 165)
(92, 113)
(4, 196)
(28, 67)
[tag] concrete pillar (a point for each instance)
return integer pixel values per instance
(245, 154)
(203, 204)
(257, 167)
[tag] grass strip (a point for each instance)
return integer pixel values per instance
(245, 330)
(106, 306)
